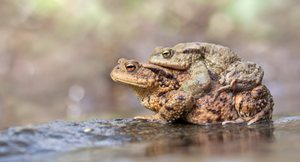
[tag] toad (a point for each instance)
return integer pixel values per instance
(155, 88)
(212, 61)
(158, 90)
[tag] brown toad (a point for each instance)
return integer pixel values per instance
(210, 60)
(157, 89)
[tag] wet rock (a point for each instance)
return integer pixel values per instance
(61, 136)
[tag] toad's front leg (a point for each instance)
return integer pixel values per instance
(200, 80)
(231, 86)
(177, 104)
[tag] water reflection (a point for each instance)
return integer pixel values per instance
(214, 140)
(133, 139)
(145, 142)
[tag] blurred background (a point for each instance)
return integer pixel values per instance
(56, 55)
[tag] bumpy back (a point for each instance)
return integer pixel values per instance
(218, 58)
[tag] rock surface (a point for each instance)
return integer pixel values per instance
(138, 140)
(62, 136)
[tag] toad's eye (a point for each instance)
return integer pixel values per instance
(130, 67)
(167, 53)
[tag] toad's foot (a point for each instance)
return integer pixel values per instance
(225, 88)
(258, 117)
(237, 121)
(155, 117)
(261, 115)
(251, 120)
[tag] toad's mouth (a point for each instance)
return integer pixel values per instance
(166, 64)
(136, 82)
(128, 82)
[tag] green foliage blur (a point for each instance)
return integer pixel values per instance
(56, 55)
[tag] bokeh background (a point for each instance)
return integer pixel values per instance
(56, 55)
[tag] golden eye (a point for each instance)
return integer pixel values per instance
(131, 66)
(167, 53)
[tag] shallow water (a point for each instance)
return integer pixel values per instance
(127, 140)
